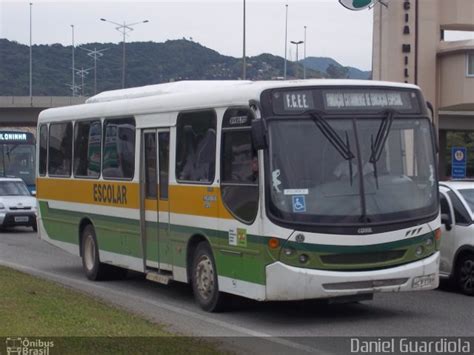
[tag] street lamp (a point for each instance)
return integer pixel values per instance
(304, 61)
(244, 59)
(286, 41)
(124, 29)
(297, 43)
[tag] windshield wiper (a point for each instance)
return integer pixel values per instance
(331, 135)
(378, 145)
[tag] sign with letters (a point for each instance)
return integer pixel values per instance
(459, 160)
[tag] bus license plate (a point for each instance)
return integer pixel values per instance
(21, 219)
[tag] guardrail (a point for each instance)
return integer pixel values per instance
(40, 101)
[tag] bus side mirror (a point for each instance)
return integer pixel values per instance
(259, 134)
(446, 220)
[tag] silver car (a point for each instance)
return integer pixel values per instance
(17, 206)
(457, 243)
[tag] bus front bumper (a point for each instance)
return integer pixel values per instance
(286, 282)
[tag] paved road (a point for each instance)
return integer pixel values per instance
(287, 326)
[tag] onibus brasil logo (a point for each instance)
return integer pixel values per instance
(25, 346)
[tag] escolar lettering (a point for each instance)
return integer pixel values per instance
(104, 193)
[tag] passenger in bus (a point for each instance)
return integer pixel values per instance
(200, 162)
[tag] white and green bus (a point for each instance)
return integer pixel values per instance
(282, 190)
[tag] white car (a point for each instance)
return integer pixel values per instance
(17, 206)
(457, 242)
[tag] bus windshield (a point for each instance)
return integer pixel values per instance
(18, 160)
(351, 170)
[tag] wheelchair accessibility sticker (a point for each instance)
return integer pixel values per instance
(299, 204)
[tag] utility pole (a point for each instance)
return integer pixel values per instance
(124, 29)
(31, 51)
(95, 54)
(82, 73)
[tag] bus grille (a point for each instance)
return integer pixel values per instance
(362, 258)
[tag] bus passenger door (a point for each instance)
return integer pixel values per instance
(155, 218)
(164, 249)
(150, 204)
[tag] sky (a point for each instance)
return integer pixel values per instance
(332, 30)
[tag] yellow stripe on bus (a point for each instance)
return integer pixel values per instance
(202, 201)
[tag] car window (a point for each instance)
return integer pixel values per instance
(444, 205)
(468, 195)
(461, 215)
(13, 188)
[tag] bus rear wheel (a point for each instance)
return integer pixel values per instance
(204, 280)
(93, 268)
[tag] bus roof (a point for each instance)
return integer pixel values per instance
(186, 95)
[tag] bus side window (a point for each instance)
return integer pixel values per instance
(164, 154)
(118, 159)
(87, 149)
(239, 167)
(60, 149)
(196, 147)
(43, 153)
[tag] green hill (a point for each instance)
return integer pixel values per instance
(334, 69)
(147, 63)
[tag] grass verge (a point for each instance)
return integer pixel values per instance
(35, 308)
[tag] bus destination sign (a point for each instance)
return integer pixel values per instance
(360, 99)
(11, 136)
(339, 100)
(298, 101)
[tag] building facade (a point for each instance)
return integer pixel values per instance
(410, 45)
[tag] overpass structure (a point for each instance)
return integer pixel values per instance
(23, 111)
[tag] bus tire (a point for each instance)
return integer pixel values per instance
(204, 280)
(465, 274)
(93, 268)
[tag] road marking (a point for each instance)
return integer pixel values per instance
(168, 307)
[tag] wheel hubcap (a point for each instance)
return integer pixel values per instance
(204, 277)
(89, 252)
(467, 275)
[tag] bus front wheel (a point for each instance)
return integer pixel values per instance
(204, 280)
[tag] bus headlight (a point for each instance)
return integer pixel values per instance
(289, 251)
(419, 250)
(429, 242)
(303, 258)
